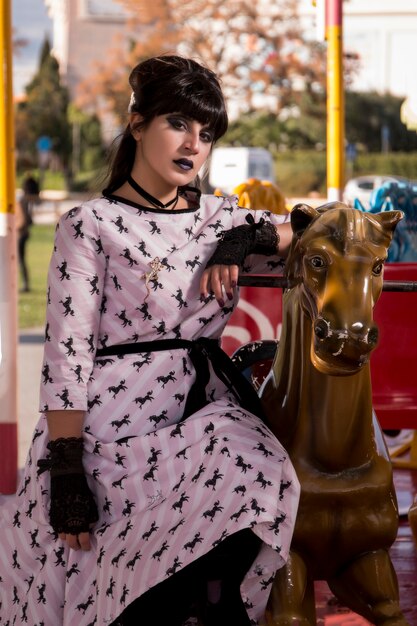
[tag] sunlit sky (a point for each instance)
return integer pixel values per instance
(31, 22)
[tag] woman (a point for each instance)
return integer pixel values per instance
(150, 493)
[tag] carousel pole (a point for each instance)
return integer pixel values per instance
(8, 282)
(335, 100)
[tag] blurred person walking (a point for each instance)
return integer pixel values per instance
(30, 197)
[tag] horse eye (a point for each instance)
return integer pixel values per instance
(377, 268)
(317, 261)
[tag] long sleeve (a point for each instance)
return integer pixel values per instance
(75, 288)
(256, 263)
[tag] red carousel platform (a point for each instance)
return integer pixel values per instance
(394, 383)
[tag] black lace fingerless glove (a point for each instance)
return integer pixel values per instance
(72, 508)
(237, 243)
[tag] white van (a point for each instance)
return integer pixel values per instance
(230, 167)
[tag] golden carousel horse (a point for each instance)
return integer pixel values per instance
(318, 402)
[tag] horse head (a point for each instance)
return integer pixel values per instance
(336, 260)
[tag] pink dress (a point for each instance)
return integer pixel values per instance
(167, 491)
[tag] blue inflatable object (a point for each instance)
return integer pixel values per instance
(403, 197)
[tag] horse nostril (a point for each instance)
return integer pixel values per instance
(373, 336)
(321, 329)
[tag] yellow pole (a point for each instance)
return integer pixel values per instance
(8, 288)
(335, 100)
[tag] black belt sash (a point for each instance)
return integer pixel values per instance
(201, 351)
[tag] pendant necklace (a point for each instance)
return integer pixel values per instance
(156, 266)
(154, 201)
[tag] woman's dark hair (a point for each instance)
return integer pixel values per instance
(168, 84)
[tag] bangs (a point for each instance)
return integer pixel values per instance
(206, 108)
(172, 84)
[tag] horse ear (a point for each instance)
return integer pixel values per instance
(389, 219)
(301, 217)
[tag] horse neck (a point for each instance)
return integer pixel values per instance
(325, 417)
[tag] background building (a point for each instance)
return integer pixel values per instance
(83, 32)
(384, 35)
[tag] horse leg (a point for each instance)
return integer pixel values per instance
(369, 587)
(291, 601)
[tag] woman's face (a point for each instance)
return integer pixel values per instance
(170, 151)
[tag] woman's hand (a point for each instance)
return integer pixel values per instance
(221, 280)
(73, 510)
(77, 542)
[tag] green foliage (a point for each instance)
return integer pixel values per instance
(50, 180)
(56, 181)
(299, 128)
(367, 113)
(394, 164)
(88, 148)
(301, 172)
(261, 130)
(92, 148)
(44, 112)
(303, 126)
(32, 305)
(89, 181)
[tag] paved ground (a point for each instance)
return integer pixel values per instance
(30, 353)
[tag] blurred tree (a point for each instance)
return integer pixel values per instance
(300, 126)
(87, 144)
(44, 112)
(257, 48)
(366, 116)
(258, 130)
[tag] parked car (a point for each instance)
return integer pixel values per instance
(362, 187)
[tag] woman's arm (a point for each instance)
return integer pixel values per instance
(75, 291)
(285, 236)
(218, 277)
(75, 288)
(66, 423)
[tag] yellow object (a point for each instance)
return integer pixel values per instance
(7, 155)
(408, 448)
(261, 194)
(8, 269)
(335, 111)
(408, 113)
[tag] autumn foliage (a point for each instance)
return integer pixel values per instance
(256, 48)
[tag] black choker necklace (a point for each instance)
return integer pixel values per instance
(156, 203)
